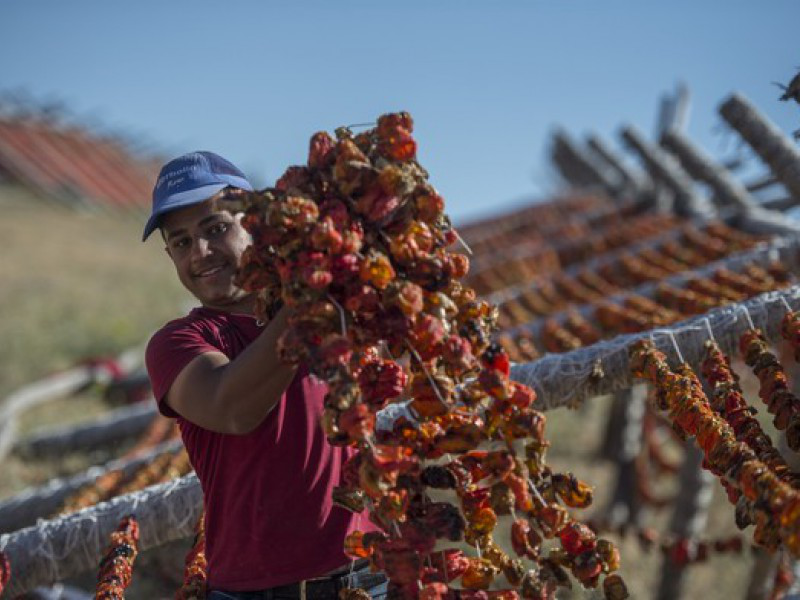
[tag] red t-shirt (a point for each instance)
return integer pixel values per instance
(269, 516)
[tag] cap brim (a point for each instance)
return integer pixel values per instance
(181, 200)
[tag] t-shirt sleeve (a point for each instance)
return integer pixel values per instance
(168, 352)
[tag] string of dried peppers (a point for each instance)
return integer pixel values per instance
(773, 385)
(683, 551)
(728, 400)
(195, 573)
(163, 467)
(628, 270)
(633, 313)
(116, 567)
(5, 571)
(790, 331)
(357, 243)
(760, 495)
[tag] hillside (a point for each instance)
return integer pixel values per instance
(75, 285)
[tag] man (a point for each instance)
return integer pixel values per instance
(249, 422)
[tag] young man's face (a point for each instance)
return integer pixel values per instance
(205, 246)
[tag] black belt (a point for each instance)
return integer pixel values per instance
(323, 588)
(316, 589)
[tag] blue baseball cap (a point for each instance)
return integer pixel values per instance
(191, 179)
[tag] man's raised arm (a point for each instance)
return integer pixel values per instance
(234, 396)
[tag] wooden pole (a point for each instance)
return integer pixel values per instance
(119, 424)
(26, 397)
(683, 104)
(55, 386)
(763, 221)
(665, 169)
(576, 167)
(689, 518)
(31, 504)
(603, 368)
(727, 191)
(624, 443)
(761, 183)
(769, 142)
(762, 574)
(673, 113)
(632, 182)
(55, 550)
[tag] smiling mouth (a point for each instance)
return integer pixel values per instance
(209, 272)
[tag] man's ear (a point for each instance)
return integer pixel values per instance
(164, 237)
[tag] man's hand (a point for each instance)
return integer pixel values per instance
(234, 396)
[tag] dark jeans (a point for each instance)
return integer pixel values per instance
(374, 583)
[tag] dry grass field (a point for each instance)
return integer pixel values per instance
(81, 284)
(75, 285)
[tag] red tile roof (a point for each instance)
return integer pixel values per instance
(70, 163)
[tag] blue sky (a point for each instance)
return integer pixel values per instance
(485, 81)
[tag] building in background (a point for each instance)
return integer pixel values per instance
(70, 164)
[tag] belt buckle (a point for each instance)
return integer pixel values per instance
(316, 588)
